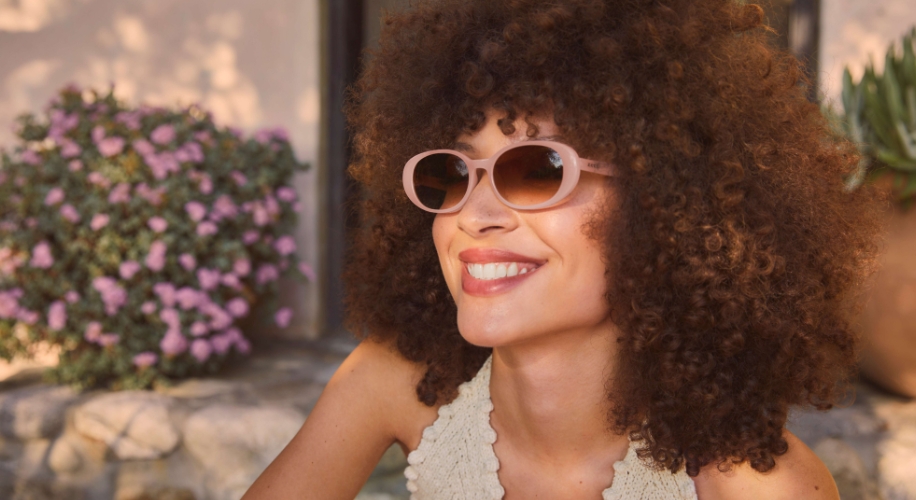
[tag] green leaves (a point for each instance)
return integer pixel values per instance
(881, 118)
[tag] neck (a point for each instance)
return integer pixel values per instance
(550, 396)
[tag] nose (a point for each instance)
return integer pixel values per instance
(483, 213)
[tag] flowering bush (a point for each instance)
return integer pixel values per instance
(134, 239)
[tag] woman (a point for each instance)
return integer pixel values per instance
(635, 325)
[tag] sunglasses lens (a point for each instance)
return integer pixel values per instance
(440, 181)
(528, 175)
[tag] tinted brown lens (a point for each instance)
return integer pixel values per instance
(528, 175)
(440, 180)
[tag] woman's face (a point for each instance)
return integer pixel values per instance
(563, 286)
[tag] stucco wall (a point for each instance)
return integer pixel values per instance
(252, 63)
(854, 30)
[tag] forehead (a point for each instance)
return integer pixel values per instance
(490, 137)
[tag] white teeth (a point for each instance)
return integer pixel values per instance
(497, 270)
(513, 270)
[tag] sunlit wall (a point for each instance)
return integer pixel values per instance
(252, 63)
(854, 30)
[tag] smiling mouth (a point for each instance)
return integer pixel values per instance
(497, 270)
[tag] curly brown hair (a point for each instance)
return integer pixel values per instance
(737, 255)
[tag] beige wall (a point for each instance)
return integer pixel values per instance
(252, 63)
(854, 30)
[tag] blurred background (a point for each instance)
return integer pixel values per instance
(286, 63)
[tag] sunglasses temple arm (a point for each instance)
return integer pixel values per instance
(596, 167)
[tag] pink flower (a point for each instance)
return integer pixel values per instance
(54, 196)
(163, 134)
(148, 307)
(201, 350)
(283, 316)
(271, 205)
(230, 280)
(208, 278)
(237, 307)
(250, 237)
(99, 221)
(143, 147)
(155, 260)
(221, 343)
(99, 180)
(241, 267)
(70, 149)
(166, 293)
(120, 193)
(9, 305)
(130, 119)
(206, 184)
(93, 331)
(207, 228)
(57, 315)
(203, 136)
(26, 316)
(108, 339)
(98, 133)
(41, 256)
(145, 359)
(75, 166)
(239, 178)
(260, 215)
(157, 224)
(170, 317)
(72, 296)
(113, 295)
(128, 269)
(242, 346)
(68, 212)
(285, 245)
(224, 207)
(161, 164)
(152, 196)
(307, 271)
(219, 318)
(173, 343)
(267, 273)
(110, 146)
(199, 329)
(286, 194)
(190, 152)
(188, 298)
(30, 157)
(195, 210)
(187, 261)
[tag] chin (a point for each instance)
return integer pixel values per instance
(487, 332)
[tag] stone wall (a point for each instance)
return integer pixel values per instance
(252, 64)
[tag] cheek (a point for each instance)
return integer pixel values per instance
(443, 232)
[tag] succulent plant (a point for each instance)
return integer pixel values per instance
(880, 117)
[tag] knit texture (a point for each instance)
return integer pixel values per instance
(455, 459)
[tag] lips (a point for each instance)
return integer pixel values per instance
(489, 258)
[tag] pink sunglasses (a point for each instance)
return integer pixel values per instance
(527, 175)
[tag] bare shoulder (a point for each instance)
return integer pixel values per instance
(368, 404)
(376, 374)
(799, 474)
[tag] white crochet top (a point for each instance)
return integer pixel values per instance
(455, 459)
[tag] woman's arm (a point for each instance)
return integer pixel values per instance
(799, 475)
(369, 404)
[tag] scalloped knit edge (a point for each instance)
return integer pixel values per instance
(478, 388)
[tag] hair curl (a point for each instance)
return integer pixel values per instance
(737, 253)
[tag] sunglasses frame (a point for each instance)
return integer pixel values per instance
(573, 165)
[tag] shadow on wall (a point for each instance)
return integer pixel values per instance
(162, 52)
